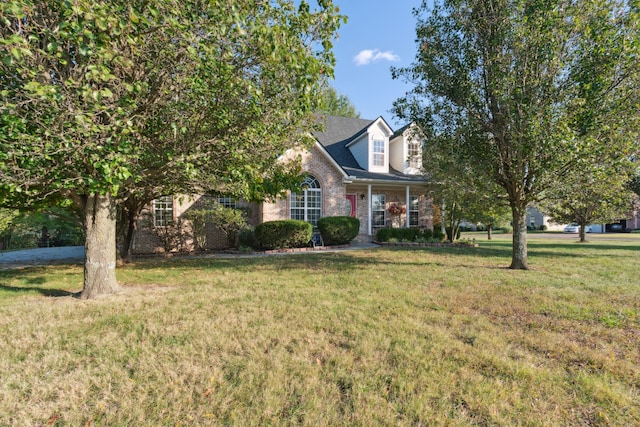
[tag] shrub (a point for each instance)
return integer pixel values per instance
(228, 220)
(247, 238)
(405, 235)
(56, 226)
(338, 230)
(450, 234)
(283, 234)
(543, 227)
(384, 234)
(437, 233)
(172, 237)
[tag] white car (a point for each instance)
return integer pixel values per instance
(575, 228)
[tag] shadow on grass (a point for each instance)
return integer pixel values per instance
(41, 291)
(322, 262)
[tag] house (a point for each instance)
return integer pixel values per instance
(538, 220)
(356, 167)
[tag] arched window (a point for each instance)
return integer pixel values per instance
(307, 205)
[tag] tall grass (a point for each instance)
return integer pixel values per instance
(390, 336)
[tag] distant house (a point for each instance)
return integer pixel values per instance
(537, 219)
(356, 167)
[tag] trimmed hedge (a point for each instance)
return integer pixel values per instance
(338, 230)
(406, 235)
(283, 234)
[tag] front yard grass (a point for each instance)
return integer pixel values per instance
(390, 336)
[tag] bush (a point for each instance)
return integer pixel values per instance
(228, 220)
(450, 232)
(283, 234)
(54, 227)
(247, 238)
(543, 227)
(338, 230)
(405, 235)
(437, 233)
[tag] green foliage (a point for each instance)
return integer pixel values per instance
(634, 185)
(450, 233)
(335, 104)
(283, 234)
(247, 238)
(172, 237)
(142, 98)
(437, 232)
(7, 217)
(516, 94)
(100, 81)
(29, 229)
(198, 220)
(338, 230)
(590, 195)
(225, 219)
(230, 221)
(408, 235)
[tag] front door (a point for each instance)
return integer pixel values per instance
(350, 206)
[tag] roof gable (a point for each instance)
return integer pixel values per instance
(340, 132)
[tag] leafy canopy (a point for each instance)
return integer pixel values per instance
(526, 89)
(110, 96)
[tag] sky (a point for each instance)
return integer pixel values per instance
(378, 35)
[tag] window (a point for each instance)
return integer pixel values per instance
(378, 152)
(163, 211)
(413, 150)
(378, 210)
(307, 206)
(227, 202)
(414, 211)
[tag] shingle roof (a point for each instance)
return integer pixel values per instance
(340, 131)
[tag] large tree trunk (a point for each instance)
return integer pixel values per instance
(100, 246)
(519, 250)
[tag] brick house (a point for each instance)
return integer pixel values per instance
(356, 167)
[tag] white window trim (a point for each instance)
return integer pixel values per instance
(311, 187)
(163, 204)
(383, 210)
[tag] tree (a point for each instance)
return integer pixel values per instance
(103, 101)
(589, 196)
(634, 185)
(526, 85)
(335, 104)
(464, 194)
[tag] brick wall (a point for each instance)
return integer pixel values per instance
(147, 240)
(333, 190)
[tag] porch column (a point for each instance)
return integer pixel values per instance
(407, 207)
(369, 208)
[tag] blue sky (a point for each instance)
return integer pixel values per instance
(378, 35)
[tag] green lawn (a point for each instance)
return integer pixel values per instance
(390, 336)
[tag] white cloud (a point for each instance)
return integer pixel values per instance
(367, 56)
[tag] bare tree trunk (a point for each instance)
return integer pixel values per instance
(100, 246)
(131, 225)
(582, 233)
(489, 231)
(519, 251)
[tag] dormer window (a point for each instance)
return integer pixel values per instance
(378, 152)
(413, 151)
